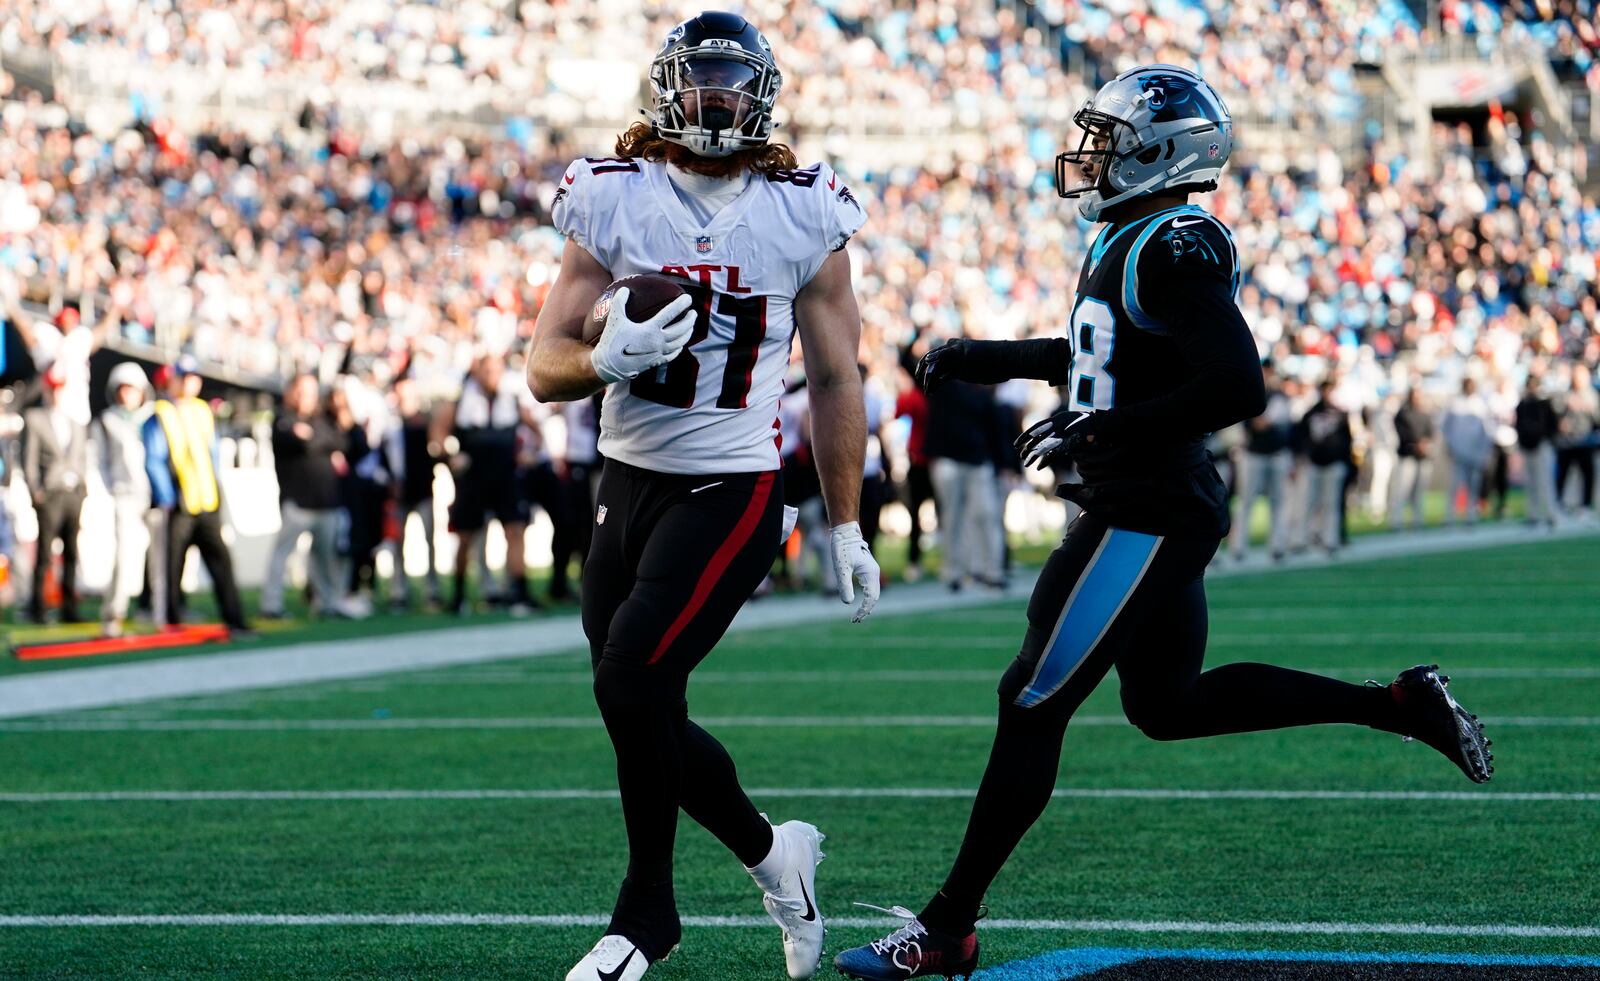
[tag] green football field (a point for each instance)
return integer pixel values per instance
(461, 823)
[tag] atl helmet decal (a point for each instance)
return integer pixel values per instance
(718, 42)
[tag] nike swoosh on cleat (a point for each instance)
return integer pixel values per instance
(614, 975)
(811, 911)
(1177, 223)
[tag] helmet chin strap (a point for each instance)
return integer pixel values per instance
(1092, 209)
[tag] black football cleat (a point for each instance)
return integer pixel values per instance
(1435, 718)
(913, 951)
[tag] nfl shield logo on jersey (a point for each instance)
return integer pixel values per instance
(600, 515)
(702, 244)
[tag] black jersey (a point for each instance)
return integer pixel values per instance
(1122, 351)
(1140, 283)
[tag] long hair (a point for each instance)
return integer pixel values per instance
(641, 140)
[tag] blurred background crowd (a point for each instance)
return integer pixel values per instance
(333, 216)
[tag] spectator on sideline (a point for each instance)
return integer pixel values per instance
(1264, 471)
(412, 456)
(1382, 453)
(1537, 427)
(537, 479)
(1502, 403)
(56, 468)
(10, 428)
(307, 454)
(873, 482)
(181, 460)
(64, 346)
(912, 406)
(580, 471)
(1469, 443)
(1326, 438)
(118, 439)
(484, 423)
(1413, 426)
(1580, 414)
(962, 431)
(363, 491)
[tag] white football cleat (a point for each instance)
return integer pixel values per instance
(792, 901)
(614, 958)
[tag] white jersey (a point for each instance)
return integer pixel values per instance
(714, 408)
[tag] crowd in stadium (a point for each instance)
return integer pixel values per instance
(327, 251)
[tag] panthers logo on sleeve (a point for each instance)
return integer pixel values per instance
(1188, 241)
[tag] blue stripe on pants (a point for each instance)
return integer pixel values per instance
(1110, 578)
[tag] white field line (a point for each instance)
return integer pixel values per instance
(762, 922)
(802, 793)
(593, 722)
(903, 676)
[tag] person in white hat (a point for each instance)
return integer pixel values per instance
(118, 448)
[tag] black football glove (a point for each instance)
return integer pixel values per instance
(1059, 438)
(940, 365)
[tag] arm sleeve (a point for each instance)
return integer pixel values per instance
(1194, 307)
(286, 444)
(162, 493)
(1179, 281)
(844, 214)
(30, 457)
(99, 450)
(570, 210)
(992, 362)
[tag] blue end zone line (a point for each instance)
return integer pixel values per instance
(1063, 964)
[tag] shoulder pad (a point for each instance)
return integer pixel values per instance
(801, 177)
(584, 197)
(1182, 246)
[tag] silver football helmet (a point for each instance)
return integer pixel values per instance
(1149, 129)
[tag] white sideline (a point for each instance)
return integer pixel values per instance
(724, 922)
(803, 793)
(593, 722)
(46, 692)
(899, 676)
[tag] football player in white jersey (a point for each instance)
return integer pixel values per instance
(689, 516)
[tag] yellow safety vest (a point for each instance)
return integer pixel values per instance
(189, 429)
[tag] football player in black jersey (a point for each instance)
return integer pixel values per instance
(1156, 357)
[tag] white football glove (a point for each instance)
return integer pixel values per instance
(627, 349)
(853, 563)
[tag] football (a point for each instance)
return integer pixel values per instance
(647, 294)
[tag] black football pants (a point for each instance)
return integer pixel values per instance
(673, 558)
(1109, 597)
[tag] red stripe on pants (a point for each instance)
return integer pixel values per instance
(736, 540)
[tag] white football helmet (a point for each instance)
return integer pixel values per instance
(1150, 129)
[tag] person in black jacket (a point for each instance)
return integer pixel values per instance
(962, 421)
(1264, 471)
(1413, 426)
(1537, 427)
(1326, 441)
(309, 455)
